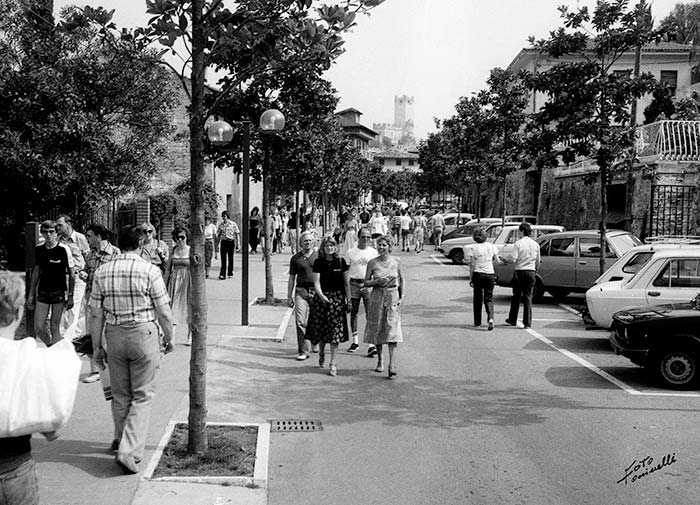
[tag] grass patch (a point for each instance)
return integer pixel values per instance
(231, 453)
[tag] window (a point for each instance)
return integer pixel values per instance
(637, 262)
(410, 163)
(670, 77)
(512, 237)
(559, 247)
(398, 162)
(381, 161)
(682, 273)
(589, 247)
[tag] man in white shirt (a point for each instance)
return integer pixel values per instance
(73, 322)
(377, 224)
(405, 229)
(527, 261)
(357, 258)
(211, 243)
(437, 225)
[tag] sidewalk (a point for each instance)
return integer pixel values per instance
(78, 468)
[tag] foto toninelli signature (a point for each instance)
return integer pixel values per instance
(643, 467)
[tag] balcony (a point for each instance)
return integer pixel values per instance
(669, 141)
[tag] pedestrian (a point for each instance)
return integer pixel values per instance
(388, 290)
(276, 235)
(178, 282)
(211, 244)
(419, 228)
(51, 289)
(292, 232)
(254, 226)
(300, 290)
(482, 277)
(349, 232)
(527, 260)
(328, 321)
(405, 230)
(228, 236)
(73, 319)
(101, 252)
(37, 390)
(437, 225)
(130, 300)
(377, 225)
(358, 258)
(152, 248)
(365, 216)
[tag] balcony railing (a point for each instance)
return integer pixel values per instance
(669, 140)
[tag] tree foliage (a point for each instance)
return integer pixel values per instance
(587, 110)
(683, 23)
(80, 118)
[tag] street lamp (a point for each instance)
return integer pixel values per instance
(220, 133)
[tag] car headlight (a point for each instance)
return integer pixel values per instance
(625, 318)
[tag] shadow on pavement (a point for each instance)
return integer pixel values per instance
(577, 377)
(93, 458)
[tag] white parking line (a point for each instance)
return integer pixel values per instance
(569, 309)
(605, 375)
(437, 260)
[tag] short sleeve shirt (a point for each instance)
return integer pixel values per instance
(53, 267)
(331, 273)
(483, 257)
(527, 253)
(302, 267)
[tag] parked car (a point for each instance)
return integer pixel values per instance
(505, 241)
(570, 260)
(465, 230)
(453, 248)
(669, 275)
(664, 339)
(453, 221)
(515, 218)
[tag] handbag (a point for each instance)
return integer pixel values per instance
(37, 386)
(83, 345)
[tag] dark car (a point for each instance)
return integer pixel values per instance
(664, 339)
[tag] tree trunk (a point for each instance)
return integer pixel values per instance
(197, 418)
(269, 288)
(505, 195)
(603, 214)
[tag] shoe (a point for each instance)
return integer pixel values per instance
(222, 278)
(93, 377)
(512, 323)
(302, 357)
(321, 360)
(127, 464)
(372, 351)
(115, 445)
(527, 326)
(189, 341)
(353, 347)
(230, 276)
(333, 370)
(380, 367)
(392, 372)
(490, 324)
(477, 325)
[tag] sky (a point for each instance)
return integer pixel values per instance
(433, 50)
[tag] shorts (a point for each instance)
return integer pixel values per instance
(51, 297)
(404, 233)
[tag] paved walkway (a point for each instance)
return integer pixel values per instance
(78, 468)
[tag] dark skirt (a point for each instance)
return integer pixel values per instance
(328, 322)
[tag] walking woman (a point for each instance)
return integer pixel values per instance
(177, 280)
(384, 318)
(328, 320)
(254, 229)
(482, 277)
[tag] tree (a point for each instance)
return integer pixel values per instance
(683, 23)
(81, 119)
(254, 39)
(587, 109)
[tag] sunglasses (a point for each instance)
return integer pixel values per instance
(181, 237)
(150, 231)
(48, 231)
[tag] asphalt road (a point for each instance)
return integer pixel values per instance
(541, 416)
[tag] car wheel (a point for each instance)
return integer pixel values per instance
(676, 368)
(457, 256)
(558, 293)
(538, 292)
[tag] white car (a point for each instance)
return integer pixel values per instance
(453, 248)
(509, 235)
(669, 275)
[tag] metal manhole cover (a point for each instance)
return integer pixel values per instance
(296, 425)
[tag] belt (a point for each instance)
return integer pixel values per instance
(357, 281)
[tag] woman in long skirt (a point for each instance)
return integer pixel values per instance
(177, 280)
(328, 319)
(384, 318)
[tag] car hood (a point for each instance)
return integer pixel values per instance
(658, 312)
(458, 241)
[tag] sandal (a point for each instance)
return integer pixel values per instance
(380, 367)
(333, 370)
(392, 372)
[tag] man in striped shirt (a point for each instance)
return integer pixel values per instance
(129, 298)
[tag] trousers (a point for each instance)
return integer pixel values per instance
(483, 294)
(302, 298)
(227, 248)
(523, 286)
(134, 359)
(20, 485)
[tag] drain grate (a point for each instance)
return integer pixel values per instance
(296, 425)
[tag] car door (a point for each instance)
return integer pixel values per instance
(677, 281)
(588, 260)
(506, 246)
(557, 268)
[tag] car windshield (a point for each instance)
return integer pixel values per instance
(624, 242)
(636, 262)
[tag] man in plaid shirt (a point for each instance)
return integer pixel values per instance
(129, 299)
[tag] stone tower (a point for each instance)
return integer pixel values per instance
(403, 110)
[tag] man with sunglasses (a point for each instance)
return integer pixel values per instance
(52, 284)
(358, 257)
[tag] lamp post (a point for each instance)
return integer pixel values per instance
(220, 133)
